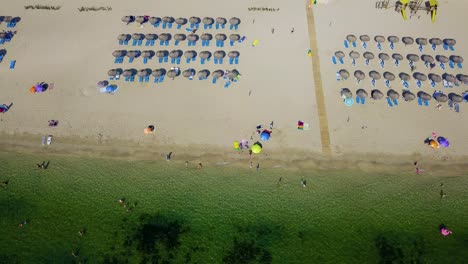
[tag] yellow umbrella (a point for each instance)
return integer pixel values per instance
(256, 148)
(236, 145)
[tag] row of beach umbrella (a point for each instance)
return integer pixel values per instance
(412, 58)
(193, 21)
(173, 72)
(164, 38)
(447, 43)
(406, 95)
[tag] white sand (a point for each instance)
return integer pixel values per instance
(73, 50)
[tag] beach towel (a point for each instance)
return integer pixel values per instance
(255, 43)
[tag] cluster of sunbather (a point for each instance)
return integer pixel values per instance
(192, 22)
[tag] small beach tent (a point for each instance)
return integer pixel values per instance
(434, 144)
(149, 130)
(256, 148)
(265, 135)
(236, 145)
(443, 142)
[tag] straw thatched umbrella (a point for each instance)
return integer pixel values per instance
(158, 72)
(172, 73)
(192, 37)
(374, 75)
(412, 57)
(389, 76)
(114, 72)
(360, 75)
(219, 54)
(351, 38)
(455, 98)
(456, 59)
(221, 37)
(368, 55)
(208, 21)
(397, 56)
(435, 41)
(129, 72)
(102, 84)
(234, 21)
(190, 54)
(233, 54)
(344, 74)
(346, 93)
(217, 74)
(449, 77)
(205, 54)
(393, 94)
(376, 94)
(119, 53)
(189, 72)
(175, 54)
(435, 78)
(147, 54)
(206, 36)
(221, 20)
(203, 74)
(361, 93)
(151, 36)
(162, 53)
(121, 37)
(463, 78)
(180, 37)
(408, 96)
(154, 20)
(354, 55)
(427, 58)
(144, 72)
(441, 98)
(233, 74)
(232, 37)
(140, 19)
(168, 19)
(424, 96)
(404, 76)
(138, 36)
(407, 40)
(339, 54)
(421, 41)
(442, 58)
(165, 36)
(379, 39)
(393, 39)
(364, 38)
(181, 21)
(133, 53)
(450, 42)
(384, 56)
(420, 76)
(194, 20)
(127, 19)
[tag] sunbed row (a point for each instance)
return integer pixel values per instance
(6, 36)
(392, 97)
(448, 43)
(193, 22)
(11, 21)
(176, 55)
(448, 80)
(428, 60)
(3, 52)
(159, 74)
(164, 39)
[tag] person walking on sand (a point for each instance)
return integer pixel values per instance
(292, 30)
(271, 125)
(303, 182)
(168, 156)
(258, 167)
(250, 164)
(200, 166)
(272, 30)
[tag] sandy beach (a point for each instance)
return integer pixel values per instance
(73, 50)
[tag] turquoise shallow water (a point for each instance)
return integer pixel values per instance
(224, 214)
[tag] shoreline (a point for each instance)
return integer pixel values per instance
(288, 159)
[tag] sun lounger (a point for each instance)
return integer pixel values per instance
(147, 78)
(334, 60)
(231, 60)
(223, 26)
(130, 60)
(127, 78)
(202, 61)
(418, 83)
(166, 59)
(420, 101)
(442, 65)
(141, 78)
(373, 82)
(434, 47)
(134, 43)
(152, 42)
(387, 83)
(197, 25)
(173, 60)
(364, 45)
(236, 60)
(420, 48)
(221, 61)
(426, 103)
(358, 100)
(457, 108)
(140, 41)
(354, 44)
(12, 24)
(346, 44)
(363, 100)
(451, 65)
(353, 62)
(156, 79)
(460, 66)
(111, 78)
(221, 43)
(179, 26)
(231, 27)
(231, 43)
(338, 76)
(115, 61)
(164, 25)
(445, 46)
(157, 24)
(217, 25)
(178, 60)
(397, 63)
(145, 60)
(121, 42)
(169, 25)
(382, 63)
(161, 78)
(126, 42)
(166, 42)
(341, 60)
(2, 40)
(117, 77)
(160, 60)
(227, 84)
(379, 46)
(12, 64)
(392, 46)
(176, 43)
(161, 43)
(214, 80)
(395, 101)
(451, 48)
(148, 42)
(132, 78)
(207, 43)
(389, 102)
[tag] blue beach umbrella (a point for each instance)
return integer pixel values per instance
(349, 101)
(265, 136)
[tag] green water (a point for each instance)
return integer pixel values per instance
(222, 214)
